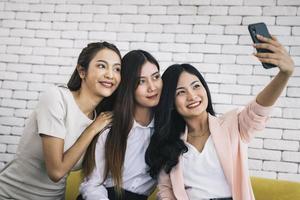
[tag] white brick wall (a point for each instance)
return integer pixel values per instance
(40, 42)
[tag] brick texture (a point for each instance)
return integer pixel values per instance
(40, 42)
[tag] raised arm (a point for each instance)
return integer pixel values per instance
(282, 59)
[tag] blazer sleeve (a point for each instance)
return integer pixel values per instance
(252, 118)
(165, 190)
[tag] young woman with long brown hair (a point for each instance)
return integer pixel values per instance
(115, 165)
(62, 126)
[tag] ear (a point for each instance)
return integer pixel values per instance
(81, 71)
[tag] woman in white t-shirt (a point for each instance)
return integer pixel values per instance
(62, 126)
(114, 164)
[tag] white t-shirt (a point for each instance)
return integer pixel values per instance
(57, 115)
(202, 172)
(135, 174)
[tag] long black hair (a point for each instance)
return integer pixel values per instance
(166, 145)
(84, 59)
(116, 141)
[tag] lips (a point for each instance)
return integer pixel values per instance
(106, 84)
(194, 104)
(152, 96)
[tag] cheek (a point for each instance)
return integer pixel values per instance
(139, 92)
(91, 78)
(118, 78)
(159, 85)
(179, 103)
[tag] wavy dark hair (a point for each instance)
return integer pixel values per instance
(166, 145)
(116, 141)
(84, 59)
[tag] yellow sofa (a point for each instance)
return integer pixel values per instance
(264, 189)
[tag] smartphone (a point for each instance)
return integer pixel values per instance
(260, 29)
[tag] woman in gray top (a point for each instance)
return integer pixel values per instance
(62, 126)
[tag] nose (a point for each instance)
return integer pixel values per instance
(151, 86)
(191, 95)
(109, 73)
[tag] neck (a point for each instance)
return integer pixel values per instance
(143, 115)
(86, 101)
(197, 125)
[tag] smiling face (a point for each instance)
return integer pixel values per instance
(190, 97)
(149, 87)
(103, 75)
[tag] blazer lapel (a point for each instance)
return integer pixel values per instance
(176, 176)
(223, 147)
(224, 152)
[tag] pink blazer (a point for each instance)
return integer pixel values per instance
(231, 134)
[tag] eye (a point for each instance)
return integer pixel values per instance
(101, 66)
(180, 92)
(196, 86)
(141, 81)
(117, 69)
(156, 77)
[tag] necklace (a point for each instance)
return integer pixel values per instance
(200, 135)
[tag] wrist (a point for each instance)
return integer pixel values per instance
(93, 129)
(287, 72)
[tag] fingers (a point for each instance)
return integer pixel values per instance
(270, 44)
(105, 117)
(269, 60)
(272, 40)
(266, 55)
(106, 114)
(266, 46)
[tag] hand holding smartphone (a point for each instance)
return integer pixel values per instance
(260, 29)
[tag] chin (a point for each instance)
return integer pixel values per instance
(105, 94)
(149, 105)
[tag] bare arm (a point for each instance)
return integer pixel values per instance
(58, 162)
(279, 57)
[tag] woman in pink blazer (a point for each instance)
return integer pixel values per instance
(196, 155)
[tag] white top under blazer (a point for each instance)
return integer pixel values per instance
(202, 173)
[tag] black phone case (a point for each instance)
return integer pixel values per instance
(261, 29)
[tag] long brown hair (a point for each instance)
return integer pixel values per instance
(116, 141)
(74, 84)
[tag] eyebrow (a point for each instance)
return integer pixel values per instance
(190, 84)
(157, 72)
(107, 62)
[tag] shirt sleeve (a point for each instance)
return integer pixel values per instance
(92, 187)
(50, 113)
(252, 118)
(165, 190)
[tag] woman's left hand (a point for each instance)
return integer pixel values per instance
(279, 57)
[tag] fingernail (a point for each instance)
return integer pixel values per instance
(258, 35)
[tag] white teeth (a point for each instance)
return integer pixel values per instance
(106, 84)
(193, 105)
